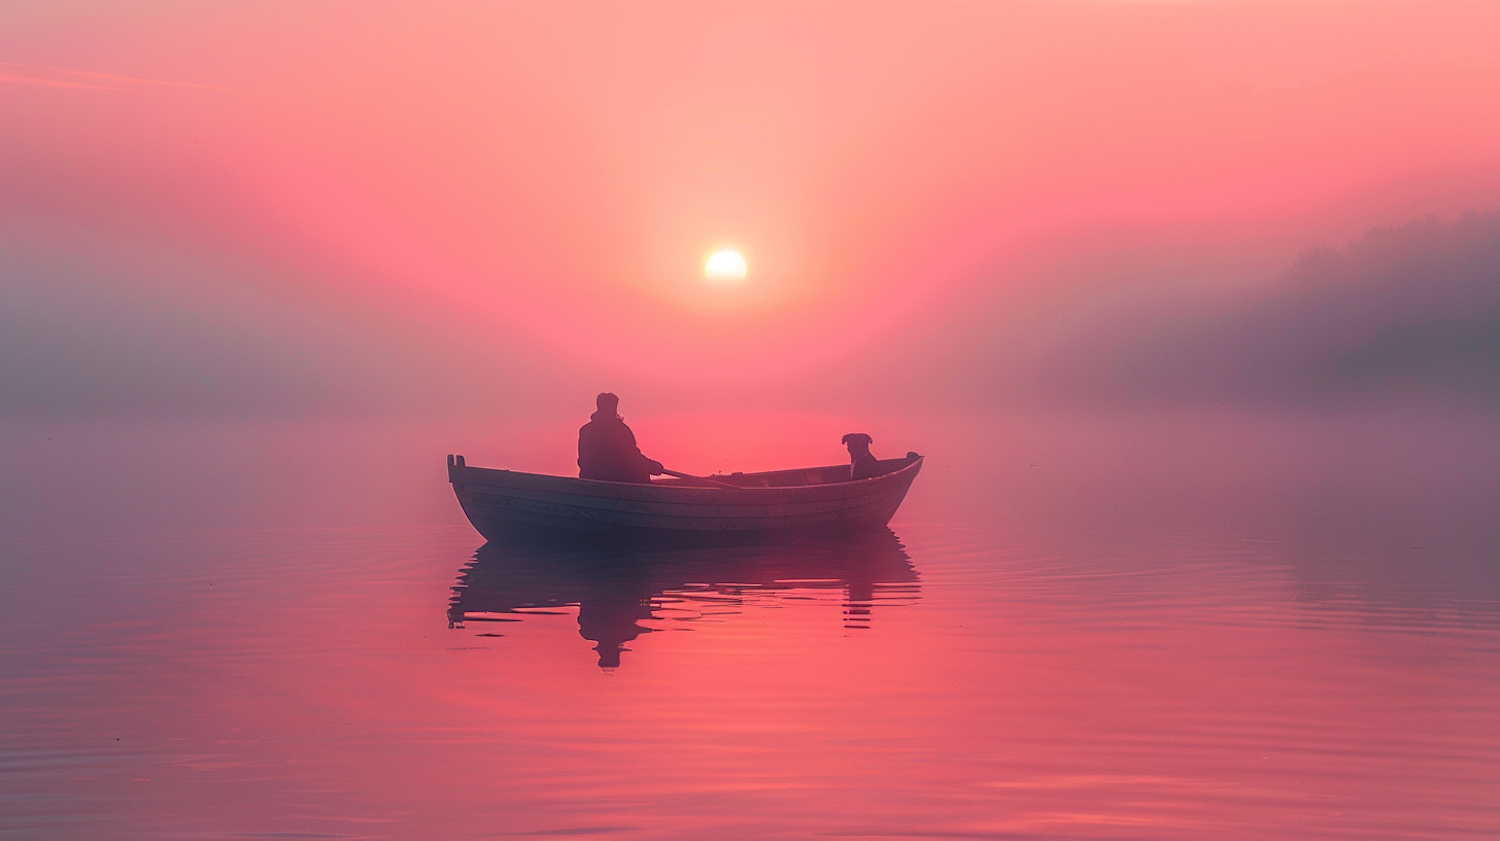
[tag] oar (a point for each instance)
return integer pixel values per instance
(698, 478)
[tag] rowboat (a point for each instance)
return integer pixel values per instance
(809, 500)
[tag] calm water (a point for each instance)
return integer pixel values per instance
(1121, 647)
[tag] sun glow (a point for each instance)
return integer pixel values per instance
(725, 265)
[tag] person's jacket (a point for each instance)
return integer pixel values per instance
(607, 450)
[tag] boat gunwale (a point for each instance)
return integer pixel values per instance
(497, 477)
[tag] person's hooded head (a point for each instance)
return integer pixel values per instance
(609, 407)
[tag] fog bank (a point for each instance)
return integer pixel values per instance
(1406, 313)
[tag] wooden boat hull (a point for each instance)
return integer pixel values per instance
(806, 501)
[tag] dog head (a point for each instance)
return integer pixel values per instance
(858, 443)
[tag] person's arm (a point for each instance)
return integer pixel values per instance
(653, 467)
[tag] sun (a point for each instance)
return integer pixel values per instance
(725, 266)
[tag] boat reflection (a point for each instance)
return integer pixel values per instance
(616, 587)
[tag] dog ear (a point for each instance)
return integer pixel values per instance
(845, 439)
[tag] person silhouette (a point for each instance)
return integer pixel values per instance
(607, 448)
(862, 464)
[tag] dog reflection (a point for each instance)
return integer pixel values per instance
(616, 588)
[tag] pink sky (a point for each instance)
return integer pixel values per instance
(535, 186)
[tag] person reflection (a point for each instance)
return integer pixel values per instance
(610, 622)
(617, 588)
